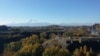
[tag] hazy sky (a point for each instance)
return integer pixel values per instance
(51, 11)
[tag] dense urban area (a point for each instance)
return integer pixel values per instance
(52, 40)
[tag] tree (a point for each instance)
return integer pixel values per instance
(68, 34)
(37, 50)
(85, 49)
(52, 35)
(25, 51)
(81, 51)
(13, 46)
(33, 39)
(76, 52)
(88, 54)
(30, 40)
(43, 35)
(56, 51)
(63, 52)
(30, 50)
(51, 51)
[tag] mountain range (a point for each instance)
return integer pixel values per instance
(47, 24)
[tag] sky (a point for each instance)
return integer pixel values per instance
(50, 11)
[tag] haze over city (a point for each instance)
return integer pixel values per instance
(49, 11)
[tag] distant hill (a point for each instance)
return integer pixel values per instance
(29, 24)
(47, 24)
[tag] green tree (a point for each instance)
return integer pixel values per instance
(30, 50)
(85, 49)
(43, 35)
(25, 51)
(76, 52)
(37, 50)
(63, 52)
(88, 54)
(33, 39)
(81, 51)
(56, 51)
(51, 51)
(13, 46)
(30, 40)
(52, 35)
